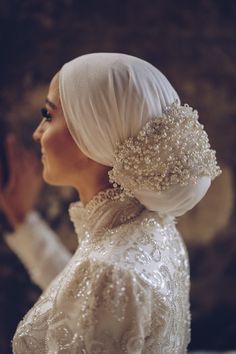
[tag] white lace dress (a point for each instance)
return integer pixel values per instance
(125, 289)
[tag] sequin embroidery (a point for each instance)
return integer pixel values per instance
(125, 290)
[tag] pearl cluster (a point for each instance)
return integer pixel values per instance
(168, 150)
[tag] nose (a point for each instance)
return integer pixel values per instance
(38, 132)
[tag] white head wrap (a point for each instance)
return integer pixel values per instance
(108, 98)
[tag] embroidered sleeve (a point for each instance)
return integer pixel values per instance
(101, 309)
(39, 249)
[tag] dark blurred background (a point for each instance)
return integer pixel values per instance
(194, 44)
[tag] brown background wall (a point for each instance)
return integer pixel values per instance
(194, 44)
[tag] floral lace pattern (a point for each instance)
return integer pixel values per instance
(123, 291)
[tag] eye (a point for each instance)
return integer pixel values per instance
(46, 114)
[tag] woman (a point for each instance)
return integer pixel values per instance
(113, 118)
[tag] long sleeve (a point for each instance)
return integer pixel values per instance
(100, 309)
(39, 249)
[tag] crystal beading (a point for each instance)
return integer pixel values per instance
(168, 150)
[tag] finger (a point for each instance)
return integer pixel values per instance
(10, 152)
(1, 200)
(3, 203)
(33, 163)
(1, 178)
(11, 159)
(27, 161)
(7, 210)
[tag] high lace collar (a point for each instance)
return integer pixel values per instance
(104, 211)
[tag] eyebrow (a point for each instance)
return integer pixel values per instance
(50, 103)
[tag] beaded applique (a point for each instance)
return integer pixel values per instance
(124, 292)
(172, 149)
(91, 219)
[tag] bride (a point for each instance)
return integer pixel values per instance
(114, 129)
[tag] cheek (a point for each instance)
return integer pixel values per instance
(53, 159)
(52, 144)
(62, 158)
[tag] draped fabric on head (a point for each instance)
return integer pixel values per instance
(108, 98)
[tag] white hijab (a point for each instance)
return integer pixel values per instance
(107, 98)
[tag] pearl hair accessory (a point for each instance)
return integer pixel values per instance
(168, 150)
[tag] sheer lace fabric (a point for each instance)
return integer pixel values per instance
(39, 249)
(125, 290)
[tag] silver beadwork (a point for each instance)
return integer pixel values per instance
(172, 149)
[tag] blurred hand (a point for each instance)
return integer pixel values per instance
(19, 196)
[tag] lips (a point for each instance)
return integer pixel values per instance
(43, 155)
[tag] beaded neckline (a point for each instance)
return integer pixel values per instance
(103, 212)
(98, 199)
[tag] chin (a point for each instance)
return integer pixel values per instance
(52, 179)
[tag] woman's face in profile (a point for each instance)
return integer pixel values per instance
(62, 160)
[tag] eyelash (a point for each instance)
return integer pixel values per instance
(46, 114)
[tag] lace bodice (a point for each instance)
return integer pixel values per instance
(125, 289)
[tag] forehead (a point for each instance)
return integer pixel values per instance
(53, 91)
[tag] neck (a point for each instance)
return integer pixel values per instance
(91, 181)
(86, 194)
(107, 209)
